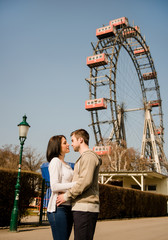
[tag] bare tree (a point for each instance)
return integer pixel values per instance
(9, 158)
(32, 160)
(123, 159)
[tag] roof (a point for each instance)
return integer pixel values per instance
(149, 174)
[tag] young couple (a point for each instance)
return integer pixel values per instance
(78, 189)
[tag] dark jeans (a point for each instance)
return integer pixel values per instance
(61, 222)
(84, 225)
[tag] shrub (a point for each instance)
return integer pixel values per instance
(118, 202)
(29, 182)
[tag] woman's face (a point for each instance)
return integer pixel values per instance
(64, 146)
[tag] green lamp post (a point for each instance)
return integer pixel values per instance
(23, 130)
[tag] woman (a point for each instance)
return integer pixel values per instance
(60, 218)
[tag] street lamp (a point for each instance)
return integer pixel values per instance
(23, 130)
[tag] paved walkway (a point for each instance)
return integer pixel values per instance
(132, 229)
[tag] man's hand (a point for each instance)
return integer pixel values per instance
(60, 199)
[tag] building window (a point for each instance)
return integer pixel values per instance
(151, 187)
(136, 187)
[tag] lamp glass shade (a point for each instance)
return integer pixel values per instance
(23, 127)
(23, 130)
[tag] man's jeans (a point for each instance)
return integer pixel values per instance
(84, 225)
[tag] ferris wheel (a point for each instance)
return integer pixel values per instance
(124, 96)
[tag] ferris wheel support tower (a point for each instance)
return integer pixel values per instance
(149, 146)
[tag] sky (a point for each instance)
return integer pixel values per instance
(44, 45)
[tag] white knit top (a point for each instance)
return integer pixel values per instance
(61, 175)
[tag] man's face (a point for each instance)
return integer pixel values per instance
(75, 143)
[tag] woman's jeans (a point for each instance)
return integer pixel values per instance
(61, 222)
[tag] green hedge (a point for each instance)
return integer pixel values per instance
(29, 182)
(115, 202)
(118, 202)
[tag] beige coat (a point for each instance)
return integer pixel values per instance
(85, 193)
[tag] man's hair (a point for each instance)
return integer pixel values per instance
(81, 133)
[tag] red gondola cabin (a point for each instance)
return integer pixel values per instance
(129, 32)
(158, 131)
(97, 60)
(119, 22)
(140, 51)
(96, 104)
(154, 103)
(149, 75)
(102, 150)
(104, 32)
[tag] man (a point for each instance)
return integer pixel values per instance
(85, 193)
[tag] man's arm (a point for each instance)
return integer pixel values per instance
(88, 163)
(87, 167)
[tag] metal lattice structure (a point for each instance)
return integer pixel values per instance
(106, 81)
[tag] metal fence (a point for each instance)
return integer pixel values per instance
(45, 196)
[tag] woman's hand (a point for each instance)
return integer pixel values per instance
(60, 199)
